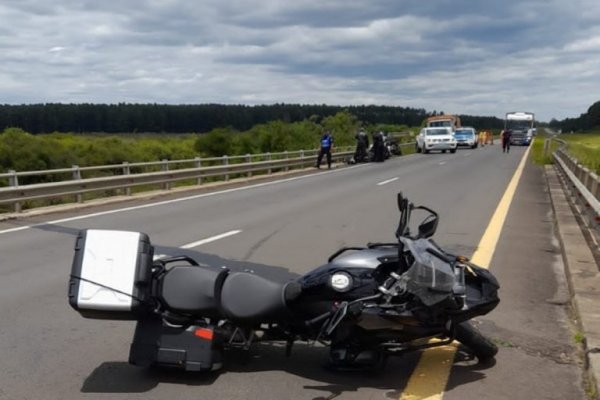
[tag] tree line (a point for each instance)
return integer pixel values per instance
(200, 118)
(585, 122)
(23, 151)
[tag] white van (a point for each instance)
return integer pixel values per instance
(439, 138)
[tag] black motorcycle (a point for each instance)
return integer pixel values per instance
(365, 303)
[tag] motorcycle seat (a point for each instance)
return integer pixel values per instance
(249, 298)
(192, 290)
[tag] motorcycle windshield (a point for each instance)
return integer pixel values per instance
(430, 278)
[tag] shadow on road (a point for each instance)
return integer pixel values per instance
(306, 362)
(121, 377)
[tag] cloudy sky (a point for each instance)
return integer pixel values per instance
(477, 57)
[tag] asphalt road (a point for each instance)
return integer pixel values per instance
(287, 228)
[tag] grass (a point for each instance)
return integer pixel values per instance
(585, 148)
(539, 153)
(579, 337)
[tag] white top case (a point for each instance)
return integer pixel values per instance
(110, 259)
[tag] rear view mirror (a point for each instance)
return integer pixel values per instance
(401, 202)
(428, 227)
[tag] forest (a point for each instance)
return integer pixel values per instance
(201, 118)
(587, 121)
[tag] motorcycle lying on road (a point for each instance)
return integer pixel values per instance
(366, 303)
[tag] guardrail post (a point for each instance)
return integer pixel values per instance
(285, 154)
(580, 172)
(594, 186)
(13, 181)
(269, 171)
(546, 147)
(127, 171)
(165, 167)
(198, 164)
(77, 177)
(586, 177)
(302, 158)
(248, 161)
(226, 162)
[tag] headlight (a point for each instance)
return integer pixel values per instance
(341, 281)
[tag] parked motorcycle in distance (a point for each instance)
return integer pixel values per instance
(366, 303)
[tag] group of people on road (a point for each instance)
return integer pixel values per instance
(487, 137)
(361, 153)
(362, 145)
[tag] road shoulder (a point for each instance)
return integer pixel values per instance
(583, 278)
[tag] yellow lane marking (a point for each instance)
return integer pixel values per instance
(430, 376)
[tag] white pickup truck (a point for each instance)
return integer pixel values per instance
(439, 138)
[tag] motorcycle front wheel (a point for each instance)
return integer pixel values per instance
(480, 346)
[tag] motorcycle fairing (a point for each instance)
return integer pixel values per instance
(431, 278)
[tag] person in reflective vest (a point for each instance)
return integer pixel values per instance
(489, 137)
(481, 137)
(326, 145)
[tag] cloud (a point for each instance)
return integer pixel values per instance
(480, 58)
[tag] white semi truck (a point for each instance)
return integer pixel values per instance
(522, 127)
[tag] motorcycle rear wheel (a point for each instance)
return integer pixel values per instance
(481, 347)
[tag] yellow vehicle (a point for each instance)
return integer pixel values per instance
(452, 121)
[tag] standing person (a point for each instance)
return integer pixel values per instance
(505, 136)
(326, 145)
(378, 147)
(362, 143)
(489, 137)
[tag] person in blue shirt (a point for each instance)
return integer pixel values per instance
(326, 145)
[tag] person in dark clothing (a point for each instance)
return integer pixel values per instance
(506, 135)
(378, 150)
(362, 143)
(326, 145)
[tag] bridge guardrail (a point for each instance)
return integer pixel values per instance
(71, 181)
(77, 186)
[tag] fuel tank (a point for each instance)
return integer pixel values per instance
(350, 275)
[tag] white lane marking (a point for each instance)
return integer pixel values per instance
(388, 181)
(22, 228)
(160, 203)
(210, 239)
(443, 162)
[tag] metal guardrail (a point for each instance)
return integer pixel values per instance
(125, 176)
(584, 184)
(224, 167)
